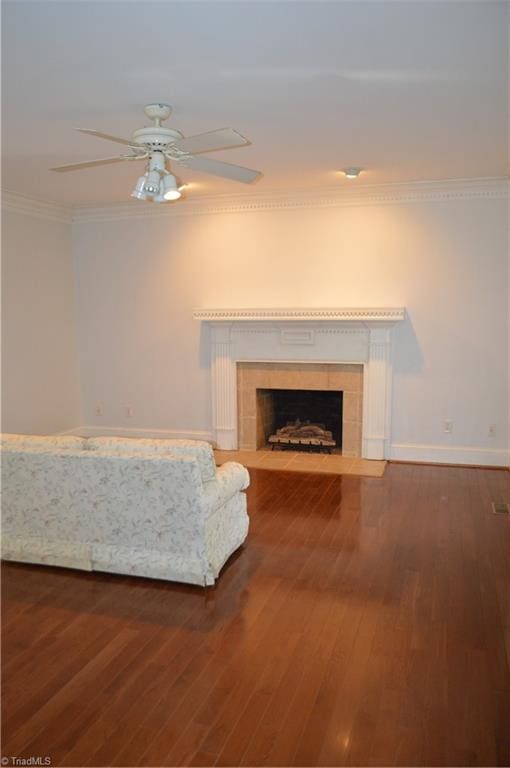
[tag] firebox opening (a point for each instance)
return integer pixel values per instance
(299, 419)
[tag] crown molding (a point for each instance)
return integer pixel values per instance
(330, 197)
(40, 209)
(344, 314)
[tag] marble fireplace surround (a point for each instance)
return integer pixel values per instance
(339, 335)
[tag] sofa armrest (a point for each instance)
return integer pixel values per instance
(231, 478)
(232, 474)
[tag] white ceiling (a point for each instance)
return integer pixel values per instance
(408, 90)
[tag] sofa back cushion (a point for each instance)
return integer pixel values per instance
(143, 500)
(38, 493)
(61, 442)
(198, 449)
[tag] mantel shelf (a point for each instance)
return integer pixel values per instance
(339, 314)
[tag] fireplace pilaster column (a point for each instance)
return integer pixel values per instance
(224, 387)
(377, 394)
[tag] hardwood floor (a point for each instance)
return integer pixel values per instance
(365, 622)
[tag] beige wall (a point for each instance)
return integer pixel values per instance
(40, 384)
(444, 260)
(145, 362)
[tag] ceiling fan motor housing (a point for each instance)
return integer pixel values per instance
(155, 137)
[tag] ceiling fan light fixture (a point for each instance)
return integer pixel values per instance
(151, 186)
(139, 190)
(172, 194)
(170, 189)
(158, 145)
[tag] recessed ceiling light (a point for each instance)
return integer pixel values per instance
(352, 173)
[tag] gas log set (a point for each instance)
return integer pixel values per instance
(303, 433)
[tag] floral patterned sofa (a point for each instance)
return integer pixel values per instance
(155, 508)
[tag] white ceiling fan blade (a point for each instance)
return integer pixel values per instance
(106, 136)
(223, 138)
(91, 163)
(218, 168)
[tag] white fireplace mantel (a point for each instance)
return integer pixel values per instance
(348, 314)
(330, 335)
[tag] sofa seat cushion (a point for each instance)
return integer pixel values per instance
(199, 449)
(61, 442)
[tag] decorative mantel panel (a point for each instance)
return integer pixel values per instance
(345, 335)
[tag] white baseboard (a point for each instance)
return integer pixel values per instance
(171, 434)
(440, 454)
(436, 454)
(373, 448)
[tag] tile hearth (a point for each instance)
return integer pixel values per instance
(299, 461)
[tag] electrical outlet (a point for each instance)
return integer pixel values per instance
(448, 426)
(98, 410)
(492, 430)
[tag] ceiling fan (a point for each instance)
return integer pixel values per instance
(159, 145)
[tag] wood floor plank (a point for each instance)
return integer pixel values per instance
(366, 621)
